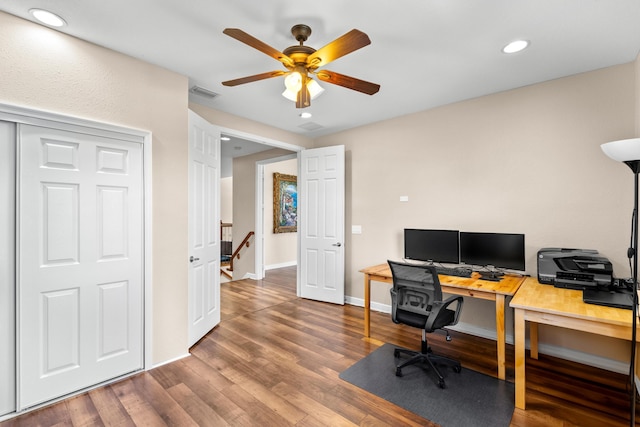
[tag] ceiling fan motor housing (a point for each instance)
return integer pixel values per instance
(301, 32)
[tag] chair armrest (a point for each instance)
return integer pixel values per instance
(438, 308)
(394, 297)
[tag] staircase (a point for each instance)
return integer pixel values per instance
(226, 254)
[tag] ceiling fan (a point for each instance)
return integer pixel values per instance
(302, 62)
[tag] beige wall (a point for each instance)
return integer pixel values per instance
(226, 199)
(523, 161)
(45, 69)
(637, 64)
(279, 248)
(260, 130)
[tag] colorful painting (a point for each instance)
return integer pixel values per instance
(285, 203)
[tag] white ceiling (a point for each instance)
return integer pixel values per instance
(424, 53)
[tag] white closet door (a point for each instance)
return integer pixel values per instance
(80, 261)
(7, 268)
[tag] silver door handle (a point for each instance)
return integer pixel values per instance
(337, 244)
(192, 258)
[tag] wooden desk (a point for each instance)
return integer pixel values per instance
(466, 286)
(564, 308)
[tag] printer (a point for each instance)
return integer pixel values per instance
(574, 268)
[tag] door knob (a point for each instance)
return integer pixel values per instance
(337, 244)
(192, 258)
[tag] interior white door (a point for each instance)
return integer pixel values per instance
(7, 268)
(204, 227)
(80, 261)
(321, 224)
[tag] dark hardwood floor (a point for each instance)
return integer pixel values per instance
(274, 360)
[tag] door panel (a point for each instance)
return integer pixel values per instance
(322, 224)
(204, 227)
(7, 268)
(80, 261)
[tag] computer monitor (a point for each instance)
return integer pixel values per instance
(501, 250)
(431, 245)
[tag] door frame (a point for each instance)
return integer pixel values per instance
(259, 227)
(32, 116)
(259, 189)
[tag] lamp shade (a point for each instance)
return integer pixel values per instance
(291, 93)
(624, 150)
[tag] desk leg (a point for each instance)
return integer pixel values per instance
(519, 333)
(367, 306)
(501, 338)
(533, 339)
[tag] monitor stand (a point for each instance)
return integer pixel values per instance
(492, 276)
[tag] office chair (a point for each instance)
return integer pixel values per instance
(416, 300)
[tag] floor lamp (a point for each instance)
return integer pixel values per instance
(628, 152)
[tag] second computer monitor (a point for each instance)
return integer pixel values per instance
(501, 250)
(431, 245)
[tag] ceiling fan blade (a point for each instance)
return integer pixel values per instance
(353, 40)
(248, 39)
(253, 78)
(348, 82)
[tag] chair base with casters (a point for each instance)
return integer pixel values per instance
(426, 357)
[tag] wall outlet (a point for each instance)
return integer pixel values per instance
(404, 198)
(356, 229)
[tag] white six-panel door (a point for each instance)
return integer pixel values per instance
(321, 227)
(204, 227)
(80, 261)
(7, 268)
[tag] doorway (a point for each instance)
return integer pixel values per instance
(249, 154)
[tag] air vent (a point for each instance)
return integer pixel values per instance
(197, 90)
(310, 126)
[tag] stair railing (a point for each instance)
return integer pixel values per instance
(236, 253)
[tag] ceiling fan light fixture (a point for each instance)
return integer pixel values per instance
(315, 89)
(293, 82)
(291, 94)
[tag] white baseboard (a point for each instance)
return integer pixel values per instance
(281, 265)
(551, 350)
(252, 276)
(165, 362)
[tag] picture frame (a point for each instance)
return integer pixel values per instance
(285, 203)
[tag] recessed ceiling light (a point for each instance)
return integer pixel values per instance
(305, 115)
(225, 138)
(48, 18)
(515, 46)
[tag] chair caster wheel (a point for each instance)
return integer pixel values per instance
(398, 372)
(457, 369)
(396, 353)
(441, 384)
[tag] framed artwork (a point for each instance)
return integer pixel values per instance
(285, 203)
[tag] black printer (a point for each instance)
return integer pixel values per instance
(574, 268)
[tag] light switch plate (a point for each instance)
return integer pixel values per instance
(356, 229)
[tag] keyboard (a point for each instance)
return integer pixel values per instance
(454, 271)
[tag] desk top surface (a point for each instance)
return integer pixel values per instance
(565, 302)
(507, 286)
